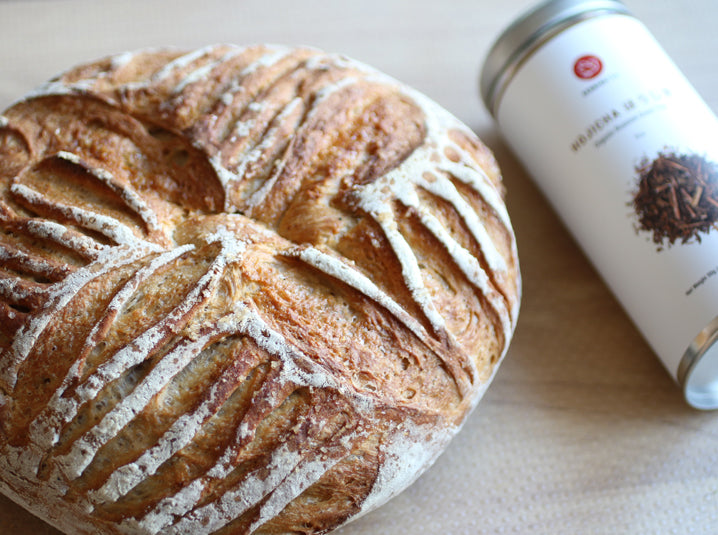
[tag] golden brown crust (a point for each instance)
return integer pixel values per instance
(241, 290)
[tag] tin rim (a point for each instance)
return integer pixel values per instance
(528, 33)
(697, 372)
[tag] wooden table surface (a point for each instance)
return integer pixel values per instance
(582, 432)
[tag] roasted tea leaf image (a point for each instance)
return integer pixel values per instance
(677, 197)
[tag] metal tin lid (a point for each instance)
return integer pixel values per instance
(527, 34)
(698, 370)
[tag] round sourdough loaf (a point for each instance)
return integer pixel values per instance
(242, 290)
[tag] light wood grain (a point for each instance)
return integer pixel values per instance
(582, 432)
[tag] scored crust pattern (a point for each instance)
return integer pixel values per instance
(241, 290)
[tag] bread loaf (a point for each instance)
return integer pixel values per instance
(242, 290)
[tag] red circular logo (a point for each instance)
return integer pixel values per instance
(587, 67)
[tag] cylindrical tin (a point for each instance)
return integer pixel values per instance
(627, 153)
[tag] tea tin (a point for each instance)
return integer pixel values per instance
(626, 151)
